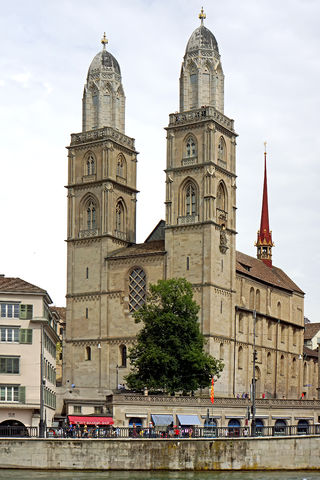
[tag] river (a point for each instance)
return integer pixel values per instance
(58, 475)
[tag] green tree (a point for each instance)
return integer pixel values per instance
(169, 352)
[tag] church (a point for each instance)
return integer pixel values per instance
(247, 305)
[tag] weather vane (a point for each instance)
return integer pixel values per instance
(202, 15)
(104, 40)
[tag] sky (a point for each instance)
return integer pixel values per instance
(270, 57)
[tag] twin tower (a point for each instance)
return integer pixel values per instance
(108, 273)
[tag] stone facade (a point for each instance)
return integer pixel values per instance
(108, 274)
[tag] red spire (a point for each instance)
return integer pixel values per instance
(264, 242)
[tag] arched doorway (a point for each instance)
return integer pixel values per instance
(280, 427)
(234, 427)
(13, 428)
(303, 427)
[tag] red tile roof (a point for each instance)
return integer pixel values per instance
(311, 329)
(254, 268)
(310, 353)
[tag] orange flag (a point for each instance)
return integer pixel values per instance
(212, 391)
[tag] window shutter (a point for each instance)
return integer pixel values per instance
(29, 335)
(26, 312)
(23, 335)
(22, 394)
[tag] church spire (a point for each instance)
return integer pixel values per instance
(264, 242)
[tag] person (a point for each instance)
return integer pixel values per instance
(85, 431)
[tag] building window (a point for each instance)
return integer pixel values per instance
(25, 335)
(91, 216)
(221, 197)
(258, 300)
(221, 352)
(9, 365)
(251, 298)
(279, 310)
(90, 165)
(222, 150)
(137, 289)
(26, 312)
(268, 362)
(9, 334)
(191, 149)
(282, 365)
(123, 356)
(121, 166)
(87, 273)
(98, 410)
(87, 312)
(294, 368)
(190, 199)
(9, 310)
(240, 358)
(9, 393)
(120, 217)
(77, 409)
(88, 353)
(188, 263)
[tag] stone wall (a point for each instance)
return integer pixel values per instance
(292, 453)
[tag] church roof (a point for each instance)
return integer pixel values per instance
(311, 329)
(202, 38)
(254, 268)
(140, 249)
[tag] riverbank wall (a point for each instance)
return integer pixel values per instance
(285, 453)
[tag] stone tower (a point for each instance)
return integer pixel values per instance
(201, 193)
(101, 214)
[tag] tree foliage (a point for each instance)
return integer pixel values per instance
(169, 352)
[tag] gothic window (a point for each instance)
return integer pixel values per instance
(123, 356)
(221, 197)
(137, 289)
(90, 165)
(191, 149)
(190, 199)
(251, 298)
(258, 300)
(269, 367)
(91, 216)
(240, 358)
(221, 353)
(120, 217)
(294, 368)
(222, 150)
(121, 166)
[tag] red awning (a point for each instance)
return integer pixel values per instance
(90, 420)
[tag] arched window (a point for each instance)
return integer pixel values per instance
(190, 199)
(241, 323)
(88, 353)
(191, 147)
(282, 365)
(222, 150)
(123, 356)
(120, 217)
(137, 289)
(91, 216)
(221, 353)
(279, 310)
(90, 165)
(121, 166)
(251, 298)
(269, 330)
(221, 197)
(294, 368)
(258, 300)
(240, 358)
(269, 367)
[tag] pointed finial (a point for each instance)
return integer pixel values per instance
(265, 147)
(202, 15)
(104, 40)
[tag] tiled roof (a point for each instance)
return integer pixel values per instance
(254, 268)
(16, 285)
(309, 352)
(61, 311)
(311, 329)
(139, 249)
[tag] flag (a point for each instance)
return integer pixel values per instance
(212, 391)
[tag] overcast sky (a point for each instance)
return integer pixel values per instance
(270, 56)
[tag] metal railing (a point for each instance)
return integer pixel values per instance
(159, 432)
